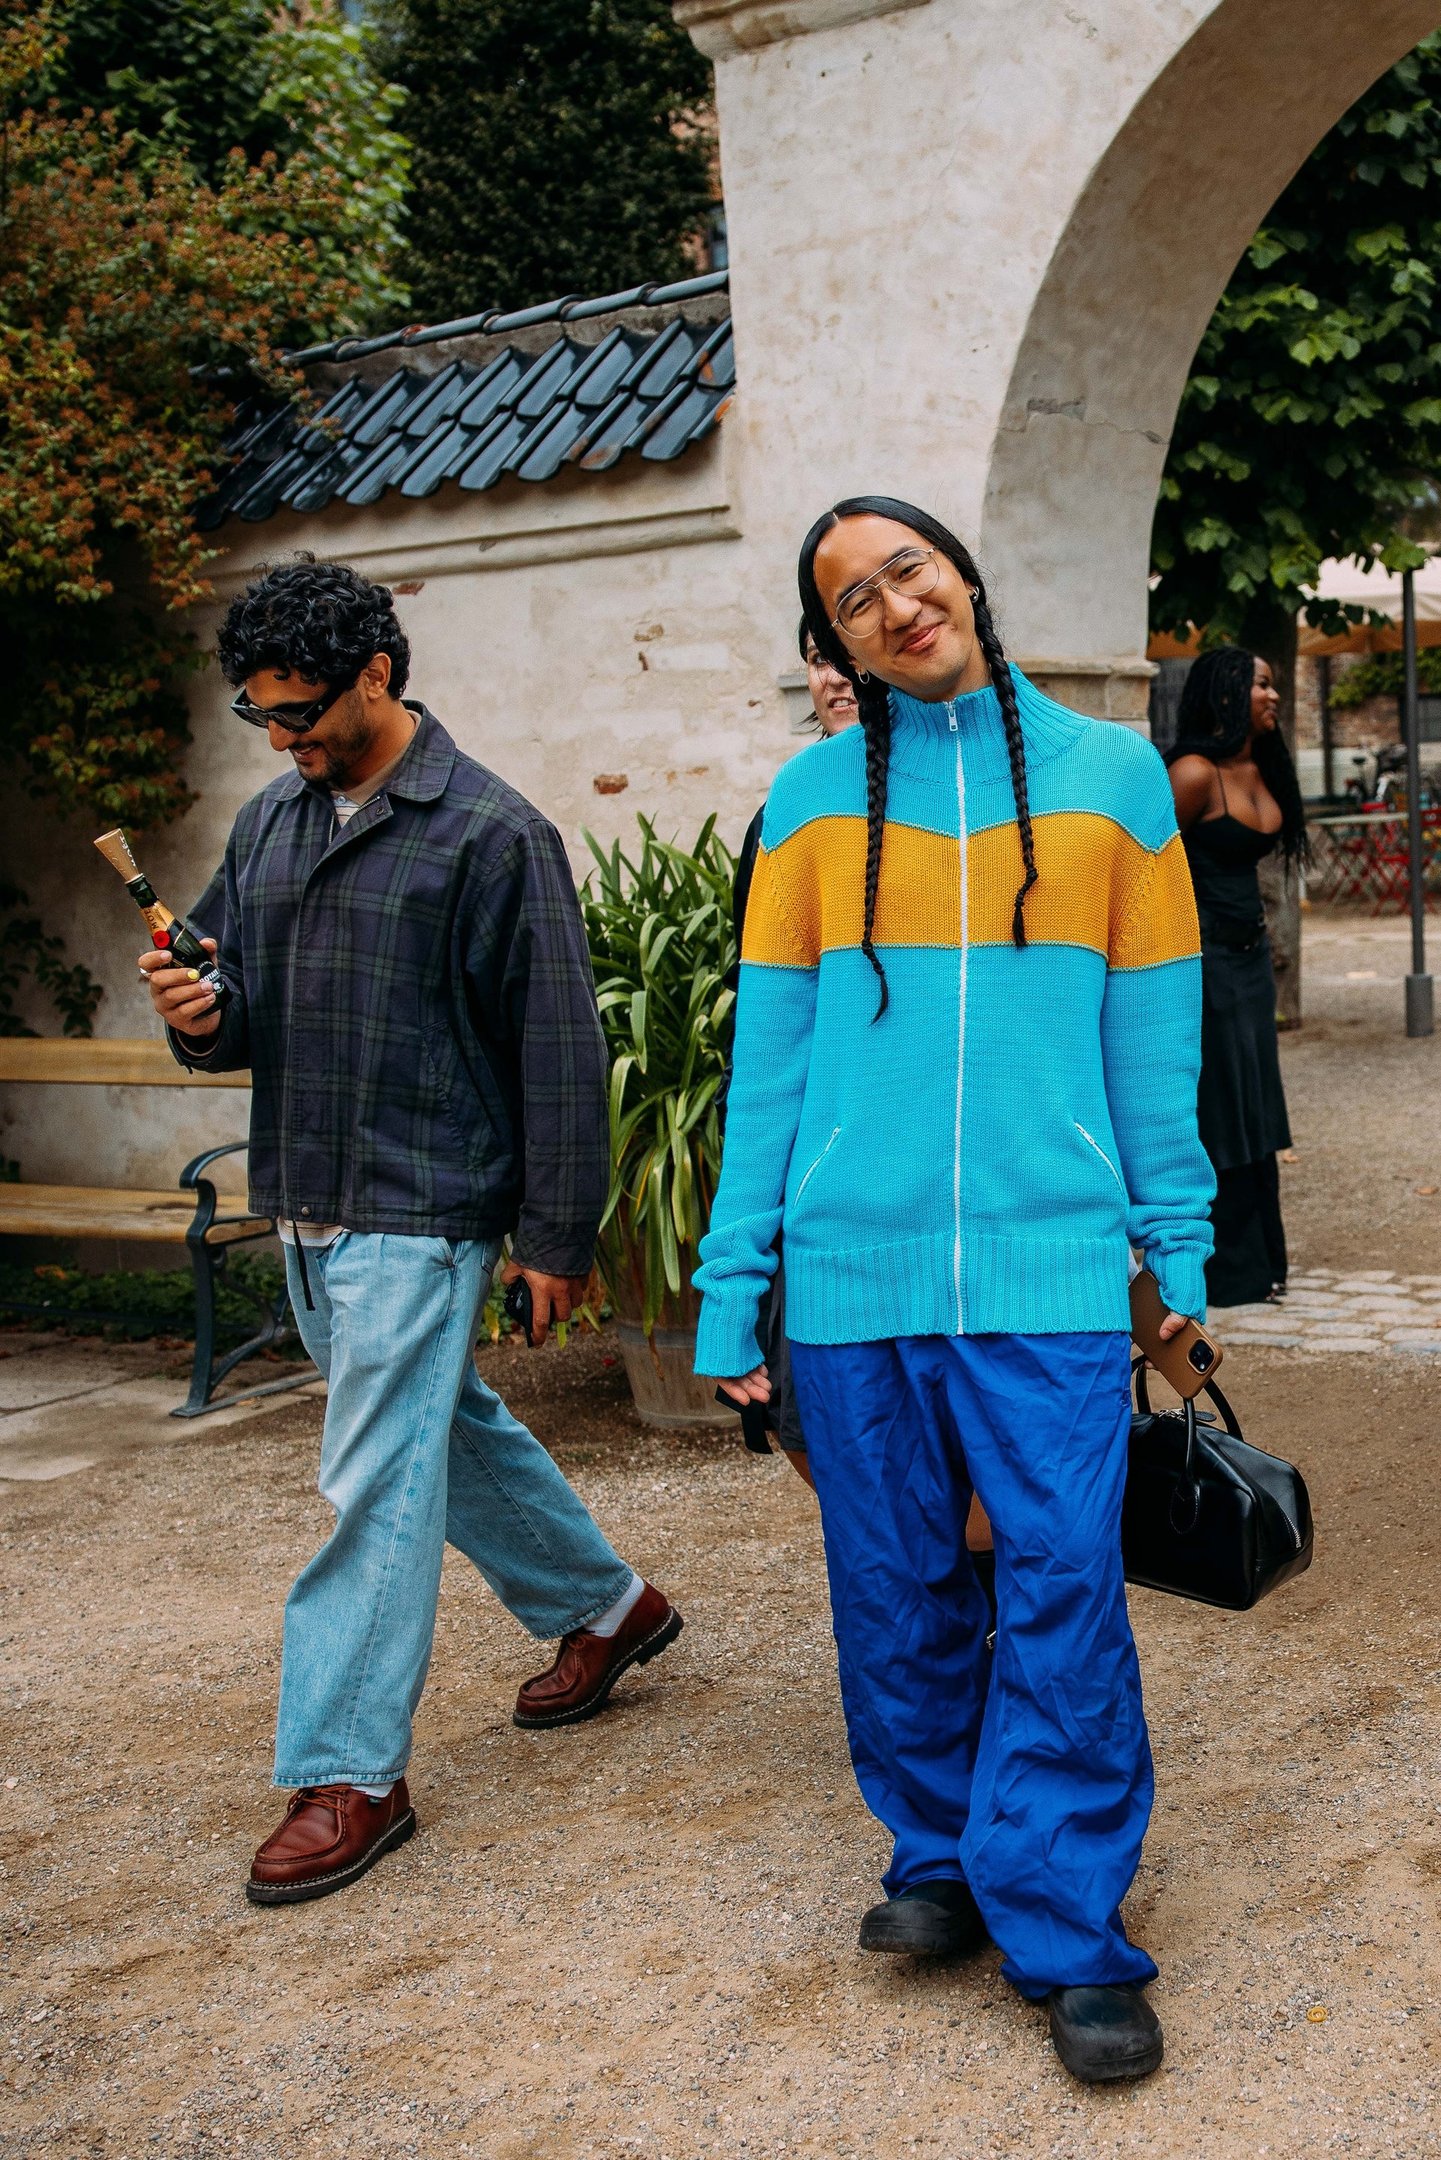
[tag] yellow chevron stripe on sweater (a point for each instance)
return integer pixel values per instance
(1096, 886)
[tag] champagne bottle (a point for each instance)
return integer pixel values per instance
(167, 932)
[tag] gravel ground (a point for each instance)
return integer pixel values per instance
(1364, 1106)
(636, 1938)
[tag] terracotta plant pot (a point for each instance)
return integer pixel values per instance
(661, 1366)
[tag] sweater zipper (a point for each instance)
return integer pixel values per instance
(961, 1019)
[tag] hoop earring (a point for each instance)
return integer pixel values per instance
(862, 675)
(974, 595)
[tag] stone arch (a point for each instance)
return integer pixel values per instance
(1155, 232)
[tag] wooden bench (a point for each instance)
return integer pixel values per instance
(188, 1216)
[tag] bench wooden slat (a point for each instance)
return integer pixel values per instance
(107, 1061)
(160, 1218)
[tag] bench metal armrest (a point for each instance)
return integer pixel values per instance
(190, 1175)
(207, 1199)
(208, 1263)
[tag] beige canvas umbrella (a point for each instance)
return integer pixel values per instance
(1380, 590)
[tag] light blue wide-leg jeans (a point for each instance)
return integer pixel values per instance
(417, 1450)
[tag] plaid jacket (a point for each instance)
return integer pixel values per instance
(413, 996)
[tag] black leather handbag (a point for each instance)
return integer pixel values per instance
(1206, 1515)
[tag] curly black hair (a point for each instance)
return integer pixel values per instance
(321, 621)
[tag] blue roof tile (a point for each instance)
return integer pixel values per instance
(530, 414)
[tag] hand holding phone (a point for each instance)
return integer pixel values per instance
(520, 1308)
(1187, 1359)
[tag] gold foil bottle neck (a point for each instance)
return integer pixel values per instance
(116, 849)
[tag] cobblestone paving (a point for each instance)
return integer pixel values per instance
(1373, 1310)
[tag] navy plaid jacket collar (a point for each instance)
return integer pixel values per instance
(421, 776)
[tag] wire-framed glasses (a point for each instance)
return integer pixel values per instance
(911, 573)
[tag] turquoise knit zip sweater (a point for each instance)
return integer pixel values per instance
(982, 1157)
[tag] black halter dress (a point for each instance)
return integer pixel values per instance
(1241, 1104)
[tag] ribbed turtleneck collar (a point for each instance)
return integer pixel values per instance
(922, 738)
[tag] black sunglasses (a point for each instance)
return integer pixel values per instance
(297, 719)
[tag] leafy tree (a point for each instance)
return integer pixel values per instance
(187, 75)
(1312, 418)
(1383, 675)
(559, 146)
(133, 296)
(202, 79)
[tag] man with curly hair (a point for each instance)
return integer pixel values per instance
(405, 974)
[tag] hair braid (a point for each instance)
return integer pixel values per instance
(874, 701)
(1005, 690)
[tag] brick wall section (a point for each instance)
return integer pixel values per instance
(1359, 727)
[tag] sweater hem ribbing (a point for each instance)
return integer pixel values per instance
(1009, 1286)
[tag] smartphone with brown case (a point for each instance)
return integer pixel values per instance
(1189, 1359)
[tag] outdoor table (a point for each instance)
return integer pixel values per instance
(1362, 855)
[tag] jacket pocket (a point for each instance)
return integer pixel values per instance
(464, 1112)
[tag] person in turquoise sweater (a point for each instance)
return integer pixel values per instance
(966, 1056)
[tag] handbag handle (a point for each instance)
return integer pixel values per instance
(1185, 1510)
(1139, 1369)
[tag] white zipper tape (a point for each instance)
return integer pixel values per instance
(817, 1163)
(1091, 1142)
(961, 1018)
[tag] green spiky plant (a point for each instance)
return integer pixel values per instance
(663, 950)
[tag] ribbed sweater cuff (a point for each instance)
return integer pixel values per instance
(725, 1345)
(1181, 1274)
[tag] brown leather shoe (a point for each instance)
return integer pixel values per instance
(587, 1666)
(331, 1836)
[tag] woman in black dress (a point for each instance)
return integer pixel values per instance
(1237, 800)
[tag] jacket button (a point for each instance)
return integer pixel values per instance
(305, 1211)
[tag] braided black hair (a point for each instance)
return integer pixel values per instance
(1214, 722)
(1005, 688)
(874, 700)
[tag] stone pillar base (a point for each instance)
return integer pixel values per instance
(1107, 689)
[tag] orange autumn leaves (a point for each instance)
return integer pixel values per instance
(135, 303)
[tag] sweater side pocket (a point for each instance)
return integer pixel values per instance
(816, 1164)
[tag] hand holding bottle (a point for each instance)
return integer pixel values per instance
(185, 985)
(178, 994)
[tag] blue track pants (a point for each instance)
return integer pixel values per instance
(1030, 1775)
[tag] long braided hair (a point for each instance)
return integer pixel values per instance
(874, 700)
(1214, 721)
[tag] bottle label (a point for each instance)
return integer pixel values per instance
(158, 919)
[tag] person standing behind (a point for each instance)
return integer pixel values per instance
(409, 985)
(833, 707)
(1237, 801)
